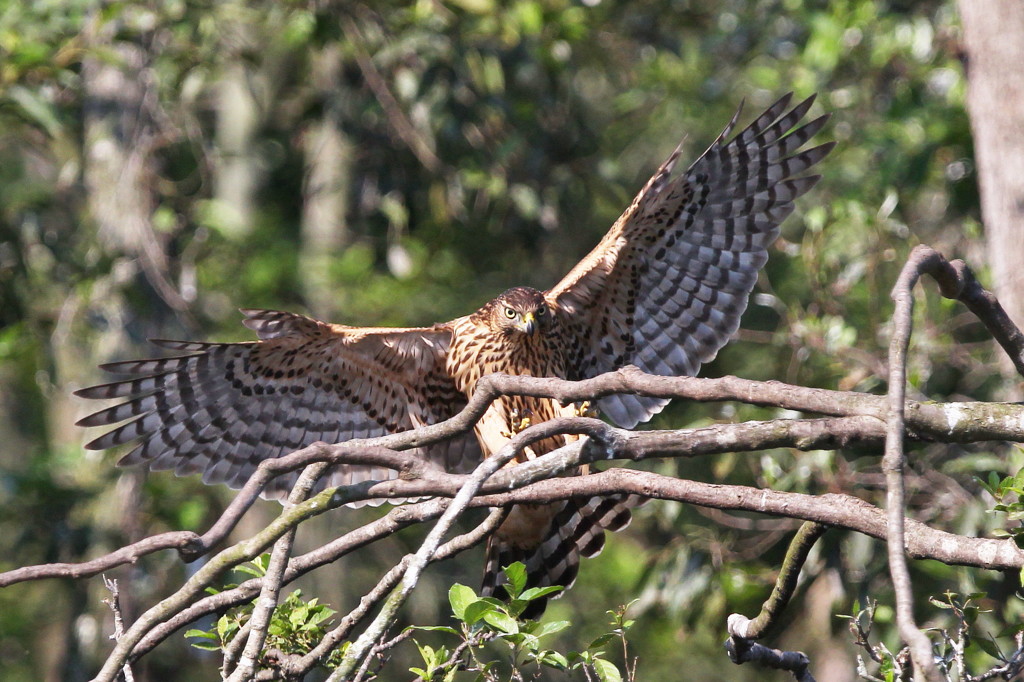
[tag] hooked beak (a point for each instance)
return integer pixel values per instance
(529, 324)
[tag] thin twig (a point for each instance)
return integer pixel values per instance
(114, 602)
(379, 649)
(400, 123)
(956, 281)
(1011, 669)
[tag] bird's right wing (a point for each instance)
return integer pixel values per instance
(665, 288)
(221, 408)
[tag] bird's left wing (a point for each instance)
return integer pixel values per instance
(221, 408)
(665, 288)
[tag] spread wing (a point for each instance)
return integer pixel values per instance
(665, 288)
(221, 408)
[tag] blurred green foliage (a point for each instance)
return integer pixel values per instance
(484, 144)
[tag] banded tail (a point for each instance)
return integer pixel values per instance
(576, 529)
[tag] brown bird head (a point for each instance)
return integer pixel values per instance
(520, 310)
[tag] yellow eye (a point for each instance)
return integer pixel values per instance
(509, 313)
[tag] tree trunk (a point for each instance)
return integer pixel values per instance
(994, 40)
(238, 176)
(325, 189)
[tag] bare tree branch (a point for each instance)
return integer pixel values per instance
(837, 510)
(204, 577)
(785, 584)
(833, 509)
(743, 632)
(957, 281)
(894, 462)
(115, 607)
(952, 422)
(747, 651)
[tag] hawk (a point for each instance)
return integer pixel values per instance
(663, 290)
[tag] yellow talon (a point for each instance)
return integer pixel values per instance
(519, 422)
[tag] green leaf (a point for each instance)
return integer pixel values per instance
(496, 603)
(205, 647)
(475, 611)
(516, 639)
(322, 613)
(601, 640)
(606, 671)
(502, 621)
(887, 670)
(460, 596)
(433, 628)
(529, 642)
(553, 659)
(226, 627)
(516, 575)
(1011, 630)
(426, 653)
(551, 627)
(298, 615)
(989, 646)
(538, 592)
(515, 607)
(200, 633)
(258, 567)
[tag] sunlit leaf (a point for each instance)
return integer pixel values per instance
(606, 671)
(460, 596)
